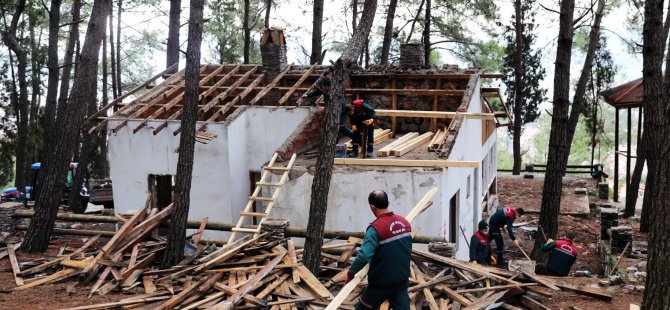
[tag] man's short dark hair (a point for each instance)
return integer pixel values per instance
(570, 235)
(379, 199)
(520, 211)
(326, 82)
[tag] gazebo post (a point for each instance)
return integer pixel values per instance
(616, 155)
(628, 135)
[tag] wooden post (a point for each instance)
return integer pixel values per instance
(639, 125)
(394, 106)
(629, 134)
(616, 156)
(433, 122)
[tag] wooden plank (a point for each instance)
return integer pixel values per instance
(79, 264)
(433, 114)
(121, 233)
(232, 291)
(15, 265)
(206, 284)
(542, 280)
(140, 265)
(483, 303)
(221, 97)
(432, 304)
(314, 283)
(269, 87)
(412, 144)
(149, 287)
(295, 86)
(42, 266)
(453, 294)
(268, 289)
(498, 287)
(394, 106)
(201, 229)
(86, 245)
(383, 152)
(349, 287)
(142, 230)
(49, 278)
(585, 290)
(224, 256)
(294, 260)
(111, 305)
(634, 307)
(235, 298)
(132, 279)
(438, 163)
(532, 303)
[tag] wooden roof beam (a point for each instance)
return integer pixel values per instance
(219, 99)
(295, 86)
(274, 82)
(225, 108)
(433, 114)
(407, 163)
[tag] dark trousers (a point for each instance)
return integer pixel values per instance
(356, 135)
(496, 234)
(373, 297)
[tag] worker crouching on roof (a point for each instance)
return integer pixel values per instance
(387, 246)
(362, 117)
(480, 246)
(562, 256)
(499, 219)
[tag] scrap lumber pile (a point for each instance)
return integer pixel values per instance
(404, 144)
(438, 139)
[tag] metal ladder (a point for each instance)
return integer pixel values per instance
(264, 182)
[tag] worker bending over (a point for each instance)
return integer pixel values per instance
(499, 219)
(480, 246)
(562, 255)
(362, 116)
(387, 246)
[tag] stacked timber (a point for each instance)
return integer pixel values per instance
(438, 139)
(380, 135)
(274, 228)
(620, 236)
(609, 217)
(405, 144)
(7, 222)
(412, 55)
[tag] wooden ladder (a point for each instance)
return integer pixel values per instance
(264, 182)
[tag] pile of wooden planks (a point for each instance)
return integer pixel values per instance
(438, 139)
(380, 135)
(404, 144)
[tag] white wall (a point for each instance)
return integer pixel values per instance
(220, 184)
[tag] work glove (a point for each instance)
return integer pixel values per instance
(368, 122)
(516, 243)
(349, 277)
(474, 262)
(353, 128)
(550, 240)
(493, 261)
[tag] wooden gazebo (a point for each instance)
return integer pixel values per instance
(625, 97)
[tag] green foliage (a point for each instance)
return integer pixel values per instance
(487, 55)
(225, 30)
(533, 71)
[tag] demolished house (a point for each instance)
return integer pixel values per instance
(438, 122)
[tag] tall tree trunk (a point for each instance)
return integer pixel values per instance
(354, 16)
(68, 61)
(62, 141)
(388, 32)
(426, 34)
(656, 131)
(182, 192)
(103, 162)
(518, 93)
(115, 88)
(324, 162)
(74, 200)
(52, 65)
(268, 8)
(634, 186)
(119, 84)
(247, 31)
(317, 27)
(22, 117)
(173, 35)
(580, 90)
(416, 17)
(594, 128)
(35, 65)
(551, 197)
(645, 216)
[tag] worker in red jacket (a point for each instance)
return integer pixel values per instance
(562, 256)
(480, 247)
(499, 219)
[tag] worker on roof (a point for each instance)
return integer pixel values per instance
(480, 246)
(499, 219)
(322, 87)
(562, 255)
(362, 116)
(387, 246)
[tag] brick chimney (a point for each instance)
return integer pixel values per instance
(273, 50)
(411, 55)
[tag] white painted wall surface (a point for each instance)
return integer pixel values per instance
(220, 184)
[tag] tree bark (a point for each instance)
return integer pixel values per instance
(634, 186)
(103, 162)
(36, 63)
(388, 32)
(52, 65)
(182, 192)
(22, 116)
(54, 168)
(324, 162)
(68, 59)
(268, 8)
(656, 130)
(115, 88)
(119, 84)
(518, 94)
(645, 217)
(551, 197)
(173, 35)
(317, 28)
(426, 34)
(247, 31)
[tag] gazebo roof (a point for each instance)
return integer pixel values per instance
(628, 95)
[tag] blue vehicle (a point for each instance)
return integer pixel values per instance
(13, 194)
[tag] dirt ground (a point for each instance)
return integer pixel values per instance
(527, 193)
